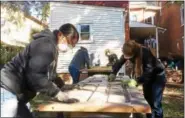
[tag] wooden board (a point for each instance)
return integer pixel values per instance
(82, 95)
(100, 96)
(100, 69)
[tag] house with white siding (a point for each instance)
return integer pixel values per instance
(12, 34)
(100, 28)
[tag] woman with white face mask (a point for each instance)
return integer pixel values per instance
(65, 39)
(148, 70)
(34, 70)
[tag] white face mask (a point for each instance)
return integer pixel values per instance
(64, 47)
(128, 57)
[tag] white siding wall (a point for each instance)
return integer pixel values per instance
(107, 28)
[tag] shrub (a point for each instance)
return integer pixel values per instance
(8, 52)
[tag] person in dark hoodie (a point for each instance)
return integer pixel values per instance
(149, 72)
(80, 61)
(33, 71)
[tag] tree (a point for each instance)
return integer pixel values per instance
(39, 9)
(176, 2)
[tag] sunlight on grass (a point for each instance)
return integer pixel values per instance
(173, 107)
(173, 102)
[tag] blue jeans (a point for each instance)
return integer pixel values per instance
(9, 104)
(11, 107)
(75, 73)
(153, 93)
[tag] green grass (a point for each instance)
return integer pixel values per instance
(173, 107)
(173, 102)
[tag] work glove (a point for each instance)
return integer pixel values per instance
(63, 97)
(132, 83)
(111, 77)
(68, 87)
(59, 82)
(140, 80)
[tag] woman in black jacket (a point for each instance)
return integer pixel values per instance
(34, 69)
(148, 70)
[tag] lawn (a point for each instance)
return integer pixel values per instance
(173, 101)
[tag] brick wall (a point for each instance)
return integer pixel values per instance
(170, 41)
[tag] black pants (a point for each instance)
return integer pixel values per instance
(153, 93)
(23, 111)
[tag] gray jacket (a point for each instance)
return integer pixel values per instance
(33, 68)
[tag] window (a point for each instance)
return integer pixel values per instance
(151, 3)
(160, 4)
(149, 20)
(85, 34)
(183, 40)
(2, 21)
(133, 18)
(182, 14)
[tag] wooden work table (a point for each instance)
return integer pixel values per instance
(96, 94)
(99, 70)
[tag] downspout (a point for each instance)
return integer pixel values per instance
(125, 25)
(157, 42)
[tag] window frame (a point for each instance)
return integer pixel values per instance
(182, 19)
(160, 4)
(3, 21)
(90, 32)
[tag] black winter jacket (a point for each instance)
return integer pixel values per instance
(33, 69)
(151, 66)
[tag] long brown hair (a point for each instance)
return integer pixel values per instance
(131, 48)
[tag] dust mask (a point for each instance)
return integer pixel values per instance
(64, 47)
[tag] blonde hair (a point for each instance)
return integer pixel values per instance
(107, 51)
